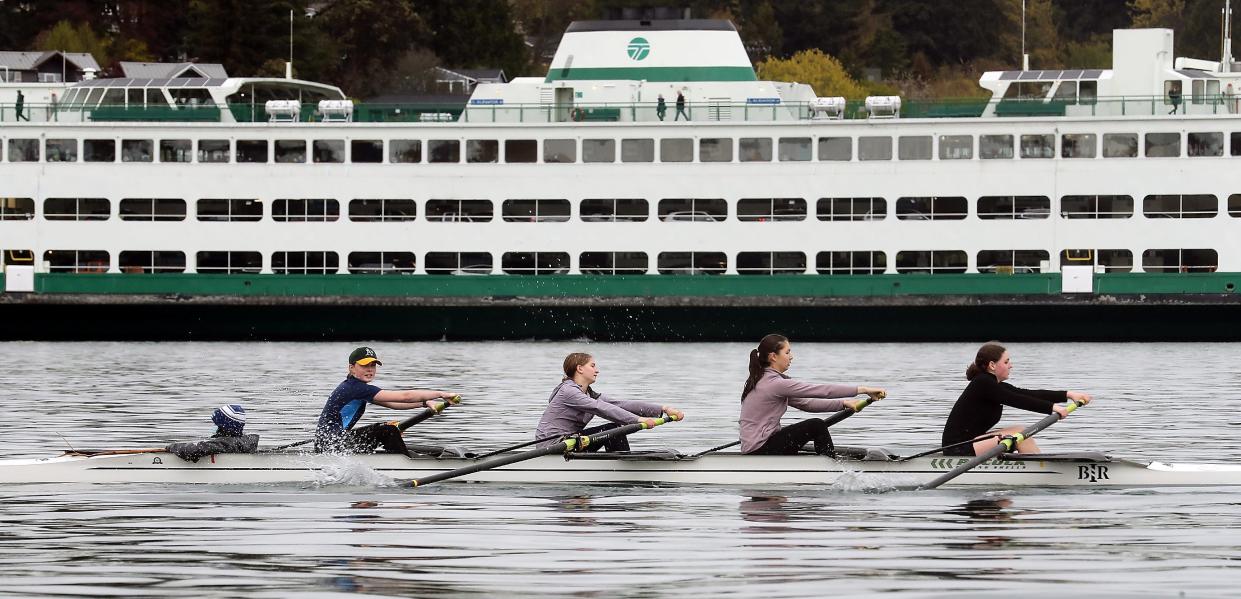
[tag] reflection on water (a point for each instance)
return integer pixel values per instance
(463, 539)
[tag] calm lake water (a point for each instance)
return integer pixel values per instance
(1176, 402)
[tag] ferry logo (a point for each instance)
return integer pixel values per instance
(639, 48)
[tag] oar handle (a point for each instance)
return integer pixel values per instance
(433, 408)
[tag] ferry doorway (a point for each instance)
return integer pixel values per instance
(564, 104)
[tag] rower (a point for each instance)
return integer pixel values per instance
(347, 403)
(229, 437)
(768, 393)
(982, 404)
(573, 403)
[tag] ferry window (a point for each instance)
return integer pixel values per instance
(134, 261)
(1066, 92)
(1013, 207)
(113, 97)
(693, 210)
(836, 148)
(995, 147)
(77, 261)
(137, 150)
(598, 150)
(613, 263)
(95, 95)
(614, 210)
(99, 150)
(533, 211)
(559, 150)
(405, 150)
(852, 209)
(305, 263)
(771, 263)
(76, 209)
(521, 150)
(771, 209)
(874, 148)
(1180, 206)
(23, 150)
(1205, 144)
(932, 262)
(957, 147)
(382, 210)
(290, 151)
(1163, 145)
(213, 150)
(1234, 205)
(14, 257)
(459, 211)
(444, 151)
(16, 208)
(794, 149)
(1180, 260)
(381, 263)
(305, 210)
(454, 263)
(152, 209)
(755, 149)
(1012, 261)
(914, 147)
(932, 208)
(229, 210)
(366, 150)
(535, 263)
(1096, 206)
(1078, 145)
(134, 97)
(851, 263)
(61, 150)
(676, 150)
(328, 150)
(715, 149)
(175, 150)
(482, 150)
(1088, 91)
(637, 150)
(692, 263)
(1120, 145)
(252, 150)
(1038, 146)
(1110, 260)
(223, 263)
(155, 97)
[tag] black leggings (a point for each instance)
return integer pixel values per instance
(366, 439)
(790, 439)
(617, 443)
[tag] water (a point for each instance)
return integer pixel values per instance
(365, 537)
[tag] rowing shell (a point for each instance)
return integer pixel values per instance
(871, 468)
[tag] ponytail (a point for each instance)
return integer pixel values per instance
(991, 351)
(758, 360)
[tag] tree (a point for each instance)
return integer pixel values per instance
(761, 32)
(245, 34)
(68, 37)
(369, 48)
(822, 72)
(544, 22)
(476, 33)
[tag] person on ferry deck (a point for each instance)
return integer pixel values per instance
(982, 404)
(769, 392)
(573, 403)
(348, 402)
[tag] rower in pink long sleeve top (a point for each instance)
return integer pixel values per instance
(768, 394)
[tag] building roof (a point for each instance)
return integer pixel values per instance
(475, 75)
(29, 61)
(172, 70)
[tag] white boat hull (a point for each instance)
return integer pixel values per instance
(1093, 470)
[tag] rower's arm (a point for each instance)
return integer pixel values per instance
(408, 399)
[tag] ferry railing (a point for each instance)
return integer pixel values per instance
(481, 111)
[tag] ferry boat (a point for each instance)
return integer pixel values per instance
(649, 186)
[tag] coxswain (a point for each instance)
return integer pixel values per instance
(229, 437)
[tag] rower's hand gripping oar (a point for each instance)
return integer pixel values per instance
(1007, 443)
(435, 408)
(567, 445)
(830, 420)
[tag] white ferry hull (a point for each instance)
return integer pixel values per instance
(719, 469)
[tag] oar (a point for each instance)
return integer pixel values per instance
(517, 446)
(1007, 443)
(830, 420)
(939, 449)
(427, 412)
(574, 443)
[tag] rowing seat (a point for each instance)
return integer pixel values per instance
(1067, 456)
(865, 454)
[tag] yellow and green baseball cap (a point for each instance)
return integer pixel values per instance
(363, 356)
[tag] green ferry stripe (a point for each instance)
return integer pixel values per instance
(653, 74)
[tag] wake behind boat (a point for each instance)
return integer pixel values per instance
(851, 468)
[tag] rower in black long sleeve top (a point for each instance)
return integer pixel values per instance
(982, 403)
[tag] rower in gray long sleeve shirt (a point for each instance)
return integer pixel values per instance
(766, 404)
